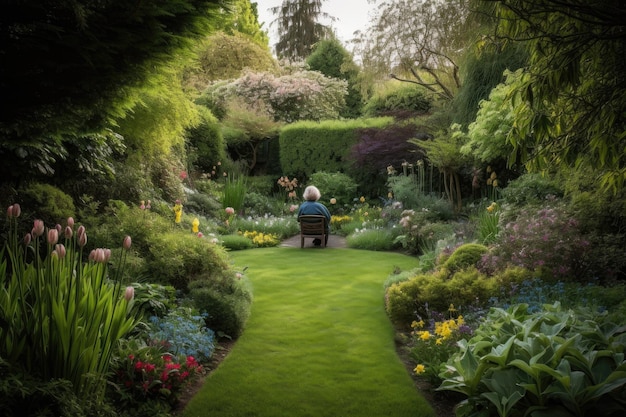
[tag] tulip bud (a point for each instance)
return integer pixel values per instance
(60, 250)
(107, 254)
(10, 212)
(53, 236)
(82, 239)
(38, 228)
(70, 221)
(59, 228)
(27, 239)
(129, 294)
(127, 242)
(68, 232)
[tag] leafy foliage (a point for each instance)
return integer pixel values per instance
(107, 50)
(331, 59)
(569, 106)
(555, 362)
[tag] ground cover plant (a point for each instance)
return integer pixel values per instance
(318, 335)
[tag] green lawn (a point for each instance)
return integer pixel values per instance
(318, 342)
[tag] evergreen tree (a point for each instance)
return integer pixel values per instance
(299, 28)
(331, 59)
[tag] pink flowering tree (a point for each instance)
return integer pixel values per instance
(299, 94)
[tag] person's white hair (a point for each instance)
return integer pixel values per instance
(311, 193)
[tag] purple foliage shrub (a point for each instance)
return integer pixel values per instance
(547, 240)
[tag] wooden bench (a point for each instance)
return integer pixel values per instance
(313, 227)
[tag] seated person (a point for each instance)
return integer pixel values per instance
(312, 206)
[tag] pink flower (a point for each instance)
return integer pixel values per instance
(129, 293)
(68, 232)
(38, 228)
(60, 250)
(70, 221)
(53, 236)
(229, 210)
(293, 208)
(127, 242)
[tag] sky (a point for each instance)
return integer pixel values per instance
(351, 15)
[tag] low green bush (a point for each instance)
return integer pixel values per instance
(335, 185)
(372, 239)
(556, 362)
(468, 289)
(227, 307)
(236, 242)
(53, 205)
(465, 256)
(177, 258)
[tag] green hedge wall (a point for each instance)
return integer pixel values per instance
(307, 147)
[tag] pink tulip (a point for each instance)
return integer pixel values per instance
(129, 294)
(70, 221)
(38, 228)
(53, 236)
(127, 242)
(60, 250)
(68, 232)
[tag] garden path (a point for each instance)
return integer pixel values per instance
(334, 241)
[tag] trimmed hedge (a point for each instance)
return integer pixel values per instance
(307, 147)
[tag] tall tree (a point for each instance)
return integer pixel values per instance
(418, 41)
(68, 67)
(333, 60)
(299, 27)
(570, 107)
(245, 20)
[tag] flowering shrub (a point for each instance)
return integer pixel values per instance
(547, 240)
(182, 332)
(150, 374)
(434, 344)
(261, 239)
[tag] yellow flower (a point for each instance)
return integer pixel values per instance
(439, 341)
(495, 183)
(419, 369)
(389, 194)
(451, 309)
(418, 324)
(333, 201)
(362, 199)
(425, 335)
(493, 176)
(195, 225)
(460, 320)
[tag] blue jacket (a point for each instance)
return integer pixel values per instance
(313, 207)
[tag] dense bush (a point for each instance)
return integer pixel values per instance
(531, 188)
(547, 240)
(399, 101)
(53, 205)
(337, 186)
(227, 307)
(236, 242)
(372, 239)
(554, 362)
(177, 258)
(467, 289)
(465, 256)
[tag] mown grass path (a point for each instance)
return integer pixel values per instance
(318, 342)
